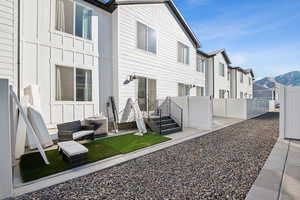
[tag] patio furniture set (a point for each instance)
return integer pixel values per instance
(69, 133)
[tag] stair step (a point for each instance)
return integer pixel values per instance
(166, 121)
(171, 130)
(163, 118)
(169, 126)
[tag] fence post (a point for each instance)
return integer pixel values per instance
(6, 186)
(282, 100)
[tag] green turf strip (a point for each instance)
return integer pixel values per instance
(32, 165)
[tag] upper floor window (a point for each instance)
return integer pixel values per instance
(241, 77)
(221, 69)
(201, 65)
(250, 81)
(228, 75)
(183, 54)
(146, 38)
(76, 21)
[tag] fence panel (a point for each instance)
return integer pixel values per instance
(290, 112)
(5, 142)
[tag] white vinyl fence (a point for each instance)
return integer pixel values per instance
(197, 111)
(239, 108)
(290, 112)
(6, 185)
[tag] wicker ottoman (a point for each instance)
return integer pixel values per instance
(73, 152)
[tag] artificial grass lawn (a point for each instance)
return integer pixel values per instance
(32, 165)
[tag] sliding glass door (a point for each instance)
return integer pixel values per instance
(147, 94)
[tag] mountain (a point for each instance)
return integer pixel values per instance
(288, 79)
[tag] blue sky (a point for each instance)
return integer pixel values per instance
(260, 34)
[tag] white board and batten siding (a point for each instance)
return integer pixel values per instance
(43, 47)
(8, 40)
(162, 66)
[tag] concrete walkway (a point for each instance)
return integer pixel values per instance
(280, 177)
(177, 138)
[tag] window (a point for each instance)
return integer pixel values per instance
(222, 94)
(83, 22)
(64, 83)
(200, 91)
(241, 77)
(201, 65)
(250, 81)
(241, 95)
(183, 90)
(221, 69)
(66, 19)
(228, 75)
(146, 38)
(183, 54)
(83, 85)
(65, 90)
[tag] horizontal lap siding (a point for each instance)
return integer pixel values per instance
(221, 83)
(8, 38)
(162, 66)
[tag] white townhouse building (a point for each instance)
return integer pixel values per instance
(80, 52)
(223, 80)
(241, 83)
(216, 69)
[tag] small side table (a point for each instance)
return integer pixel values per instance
(100, 126)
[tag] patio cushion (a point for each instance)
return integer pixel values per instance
(72, 148)
(70, 126)
(80, 134)
(39, 127)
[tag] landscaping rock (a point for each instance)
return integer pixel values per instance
(221, 165)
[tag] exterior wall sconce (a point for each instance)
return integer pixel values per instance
(130, 79)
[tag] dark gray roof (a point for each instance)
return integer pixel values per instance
(245, 71)
(202, 53)
(223, 51)
(111, 5)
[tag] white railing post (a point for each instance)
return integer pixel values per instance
(6, 185)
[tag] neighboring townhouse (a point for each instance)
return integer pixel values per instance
(263, 93)
(217, 73)
(203, 62)
(241, 83)
(155, 46)
(81, 52)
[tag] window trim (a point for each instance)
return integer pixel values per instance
(241, 77)
(203, 61)
(223, 73)
(74, 67)
(74, 21)
(147, 41)
(188, 48)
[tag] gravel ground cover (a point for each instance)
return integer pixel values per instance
(221, 165)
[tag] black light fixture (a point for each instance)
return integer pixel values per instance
(130, 79)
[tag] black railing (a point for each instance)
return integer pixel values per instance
(167, 109)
